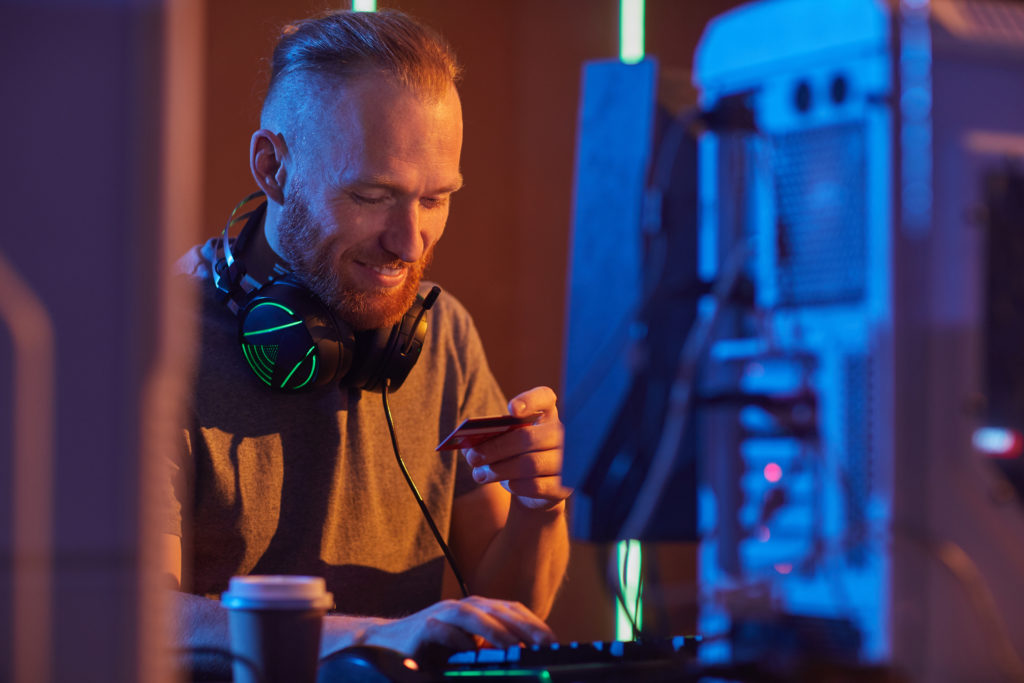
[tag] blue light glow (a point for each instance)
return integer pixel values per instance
(996, 442)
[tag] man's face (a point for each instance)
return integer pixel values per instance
(367, 196)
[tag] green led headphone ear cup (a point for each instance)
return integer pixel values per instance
(291, 341)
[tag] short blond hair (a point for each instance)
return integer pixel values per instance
(339, 46)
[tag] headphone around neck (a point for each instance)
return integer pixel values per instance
(289, 338)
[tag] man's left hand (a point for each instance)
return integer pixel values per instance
(527, 461)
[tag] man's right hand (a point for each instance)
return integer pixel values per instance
(450, 624)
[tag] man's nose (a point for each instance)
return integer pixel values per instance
(404, 236)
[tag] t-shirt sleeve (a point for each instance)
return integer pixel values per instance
(172, 493)
(481, 395)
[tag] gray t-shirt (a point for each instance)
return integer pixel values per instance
(308, 483)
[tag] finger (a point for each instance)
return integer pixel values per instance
(473, 624)
(545, 488)
(541, 628)
(440, 632)
(542, 437)
(538, 399)
(493, 622)
(517, 618)
(540, 464)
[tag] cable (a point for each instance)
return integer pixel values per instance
(232, 220)
(416, 493)
(696, 344)
(961, 566)
(965, 572)
(638, 603)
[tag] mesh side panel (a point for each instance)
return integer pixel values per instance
(820, 191)
(735, 159)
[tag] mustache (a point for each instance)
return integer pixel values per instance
(377, 263)
(389, 260)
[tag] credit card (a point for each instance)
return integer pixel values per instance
(479, 429)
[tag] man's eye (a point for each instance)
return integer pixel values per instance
(367, 199)
(433, 202)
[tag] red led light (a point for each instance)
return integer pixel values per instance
(783, 568)
(772, 472)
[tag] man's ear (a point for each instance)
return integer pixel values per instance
(267, 154)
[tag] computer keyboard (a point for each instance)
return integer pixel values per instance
(650, 659)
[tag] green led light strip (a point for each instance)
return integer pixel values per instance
(285, 382)
(505, 673)
(274, 303)
(273, 329)
(628, 553)
(254, 364)
(631, 31)
(312, 374)
(364, 5)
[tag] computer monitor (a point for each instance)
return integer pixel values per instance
(632, 299)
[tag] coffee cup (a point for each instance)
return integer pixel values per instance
(275, 624)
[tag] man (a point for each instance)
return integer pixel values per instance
(358, 156)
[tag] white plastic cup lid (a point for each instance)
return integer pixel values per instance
(277, 592)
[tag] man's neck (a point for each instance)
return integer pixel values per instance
(262, 263)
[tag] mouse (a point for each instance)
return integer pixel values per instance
(372, 664)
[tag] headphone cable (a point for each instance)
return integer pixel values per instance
(416, 493)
